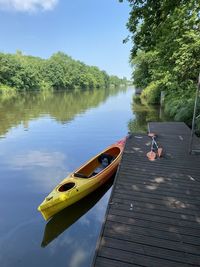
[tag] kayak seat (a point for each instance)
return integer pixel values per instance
(95, 166)
(104, 160)
(104, 156)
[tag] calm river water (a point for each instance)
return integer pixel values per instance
(43, 137)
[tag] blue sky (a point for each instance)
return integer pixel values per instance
(88, 30)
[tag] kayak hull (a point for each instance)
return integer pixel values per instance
(80, 183)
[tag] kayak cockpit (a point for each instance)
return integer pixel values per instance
(98, 163)
(65, 187)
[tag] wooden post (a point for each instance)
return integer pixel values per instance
(162, 98)
(194, 115)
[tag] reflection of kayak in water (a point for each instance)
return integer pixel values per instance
(68, 216)
(83, 181)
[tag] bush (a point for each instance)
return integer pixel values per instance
(151, 94)
(7, 91)
(44, 85)
(136, 99)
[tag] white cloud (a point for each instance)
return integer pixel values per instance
(28, 5)
(78, 258)
(45, 169)
(37, 158)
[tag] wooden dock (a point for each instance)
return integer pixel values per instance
(153, 216)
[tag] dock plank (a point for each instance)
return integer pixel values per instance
(153, 216)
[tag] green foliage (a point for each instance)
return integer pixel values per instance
(151, 94)
(7, 92)
(58, 72)
(144, 64)
(45, 85)
(4, 89)
(16, 72)
(165, 53)
(136, 99)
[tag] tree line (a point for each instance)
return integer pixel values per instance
(20, 72)
(166, 52)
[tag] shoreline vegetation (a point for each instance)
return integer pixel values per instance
(20, 72)
(165, 53)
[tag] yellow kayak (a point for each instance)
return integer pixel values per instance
(83, 181)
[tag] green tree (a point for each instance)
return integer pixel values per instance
(58, 72)
(165, 53)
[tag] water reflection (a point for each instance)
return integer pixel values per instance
(142, 114)
(43, 137)
(64, 219)
(62, 106)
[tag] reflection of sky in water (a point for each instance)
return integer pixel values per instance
(32, 161)
(73, 248)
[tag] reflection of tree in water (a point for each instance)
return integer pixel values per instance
(144, 114)
(61, 105)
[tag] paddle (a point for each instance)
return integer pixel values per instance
(159, 149)
(152, 155)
